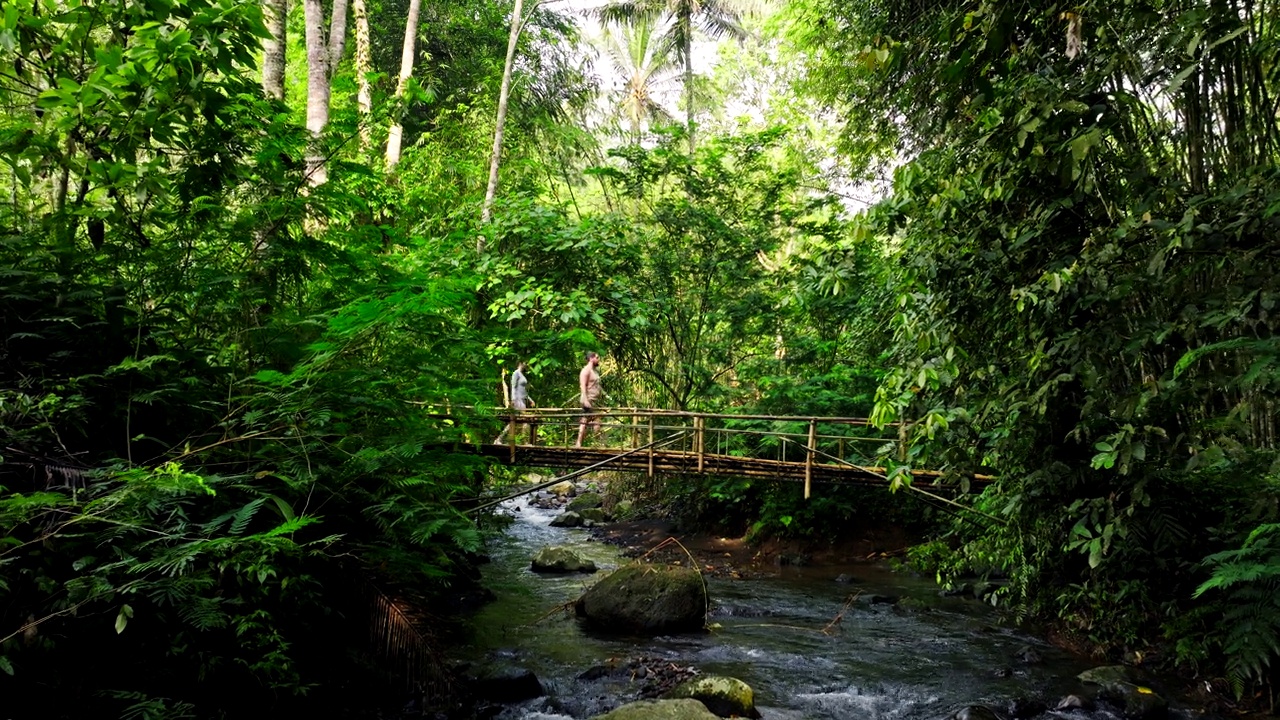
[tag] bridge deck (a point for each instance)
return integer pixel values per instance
(677, 462)
(806, 449)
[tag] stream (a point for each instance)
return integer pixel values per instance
(925, 657)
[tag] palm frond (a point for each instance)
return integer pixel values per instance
(397, 636)
(722, 25)
(630, 12)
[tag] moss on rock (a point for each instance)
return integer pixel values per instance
(724, 696)
(660, 710)
(585, 501)
(646, 600)
(561, 560)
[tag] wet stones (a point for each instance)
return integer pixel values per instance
(563, 489)
(582, 508)
(1119, 686)
(724, 696)
(683, 709)
(1024, 707)
(506, 684)
(561, 560)
(974, 712)
(585, 501)
(646, 600)
(569, 519)
(1027, 655)
(656, 675)
(1075, 702)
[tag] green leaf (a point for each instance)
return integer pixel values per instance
(122, 618)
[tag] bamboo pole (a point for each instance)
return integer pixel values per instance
(808, 458)
(700, 428)
(567, 476)
(650, 446)
(861, 422)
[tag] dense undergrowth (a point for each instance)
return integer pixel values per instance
(221, 466)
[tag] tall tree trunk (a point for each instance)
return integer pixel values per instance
(317, 89)
(406, 71)
(337, 34)
(274, 13)
(364, 66)
(504, 93)
(686, 19)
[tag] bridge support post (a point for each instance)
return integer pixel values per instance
(650, 446)
(808, 457)
(700, 424)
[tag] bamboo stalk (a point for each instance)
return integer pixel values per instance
(699, 424)
(660, 412)
(808, 459)
(650, 446)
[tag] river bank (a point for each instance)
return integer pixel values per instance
(853, 569)
(845, 560)
(737, 557)
(877, 644)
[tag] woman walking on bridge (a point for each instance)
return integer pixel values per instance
(520, 400)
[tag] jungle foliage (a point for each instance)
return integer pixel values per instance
(1085, 243)
(219, 462)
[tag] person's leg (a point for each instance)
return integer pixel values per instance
(514, 427)
(582, 425)
(509, 430)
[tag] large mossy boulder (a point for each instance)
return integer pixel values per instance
(585, 501)
(561, 560)
(724, 696)
(624, 509)
(569, 519)
(593, 515)
(565, 488)
(1120, 687)
(646, 600)
(685, 709)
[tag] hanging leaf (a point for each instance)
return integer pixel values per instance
(122, 618)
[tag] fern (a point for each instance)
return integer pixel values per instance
(239, 518)
(1250, 626)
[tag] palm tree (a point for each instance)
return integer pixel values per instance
(715, 18)
(644, 60)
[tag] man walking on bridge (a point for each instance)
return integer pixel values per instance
(589, 389)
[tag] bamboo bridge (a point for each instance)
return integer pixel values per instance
(808, 449)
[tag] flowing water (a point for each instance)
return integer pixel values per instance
(923, 658)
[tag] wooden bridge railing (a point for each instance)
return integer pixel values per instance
(811, 440)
